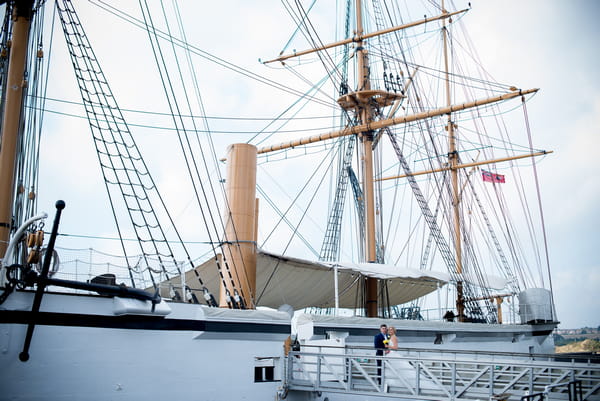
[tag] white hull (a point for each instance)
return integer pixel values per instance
(93, 363)
(82, 350)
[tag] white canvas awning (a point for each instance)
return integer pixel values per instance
(301, 283)
(306, 283)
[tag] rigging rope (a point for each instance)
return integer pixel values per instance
(24, 197)
(330, 247)
(122, 165)
(298, 25)
(198, 185)
(539, 197)
(202, 53)
(304, 214)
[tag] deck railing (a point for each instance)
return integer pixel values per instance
(408, 374)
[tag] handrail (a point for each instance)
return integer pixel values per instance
(368, 351)
(448, 375)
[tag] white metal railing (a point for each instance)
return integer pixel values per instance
(532, 311)
(410, 375)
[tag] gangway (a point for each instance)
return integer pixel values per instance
(355, 373)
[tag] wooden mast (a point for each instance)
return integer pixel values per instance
(362, 103)
(15, 87)
(240, 223)
(453, 162)
(365, 116)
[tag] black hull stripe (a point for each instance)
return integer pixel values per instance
(140, 322)
(137, 322)
(354, 331)
(541, 333)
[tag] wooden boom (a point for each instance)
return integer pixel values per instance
(360, 38)
(393, 121)
(466, 165)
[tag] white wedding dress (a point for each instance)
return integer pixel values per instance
(398, 371)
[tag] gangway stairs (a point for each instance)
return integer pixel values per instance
(352, 373)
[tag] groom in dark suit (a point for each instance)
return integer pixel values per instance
(379, 344)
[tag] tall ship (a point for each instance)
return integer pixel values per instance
(374, 174)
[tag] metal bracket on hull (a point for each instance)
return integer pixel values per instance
(37, 300)
(42, 280)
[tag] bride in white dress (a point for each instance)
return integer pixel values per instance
(398, 372)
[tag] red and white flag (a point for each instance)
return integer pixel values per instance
(491, 177)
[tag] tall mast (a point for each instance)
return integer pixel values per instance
(453, 162)
(16, 85)
(363, 102)
(365, 116)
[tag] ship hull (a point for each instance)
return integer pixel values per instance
(81, 351)
(89, 347)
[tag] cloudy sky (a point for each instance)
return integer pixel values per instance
(551, 45)
(547, 44)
